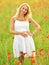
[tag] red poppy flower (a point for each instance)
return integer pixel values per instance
(4, 64)
(8, 55)
(43, 40)
(41, 49)
(33, 61)
(47, 55)
(23, 53)
(40, 30)
(46, 16)
(34, 51)
(48, 46)
(37, 64)
(37, 55)
(31, 57)
(18, 63)
(42, 54)
(47, 36)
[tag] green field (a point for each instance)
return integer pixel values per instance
(40, 13)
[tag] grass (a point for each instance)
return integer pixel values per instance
(40, 12)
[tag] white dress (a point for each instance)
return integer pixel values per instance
(20, 43)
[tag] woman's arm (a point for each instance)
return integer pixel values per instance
(12, 26)
(36, 25)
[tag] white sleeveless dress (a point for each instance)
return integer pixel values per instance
(22, 44)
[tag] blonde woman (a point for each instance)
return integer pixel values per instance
(23, 44)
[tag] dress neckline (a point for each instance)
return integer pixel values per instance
(21, 20)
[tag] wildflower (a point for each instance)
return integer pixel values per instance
(46, 16)
(23, 53)
(34, 51)
(47, 55)
(37, 55)
(42, 54)
(4, 64)
(40, 30)
(47, 36)
(43, 40)
(31, 57)
(33, 61)
(48, 46)
(37, 63)
(18, 62)
(41, 49)
(8, 55)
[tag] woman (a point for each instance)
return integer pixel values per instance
(23, 43)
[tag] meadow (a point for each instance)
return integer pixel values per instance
(40, 13)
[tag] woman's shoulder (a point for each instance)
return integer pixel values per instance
(13, 18)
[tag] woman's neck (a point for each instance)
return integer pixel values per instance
(21, 17)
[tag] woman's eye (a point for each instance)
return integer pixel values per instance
(25, 9)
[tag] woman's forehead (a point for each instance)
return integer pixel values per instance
(25, 6)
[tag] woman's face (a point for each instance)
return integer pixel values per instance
(24, 9)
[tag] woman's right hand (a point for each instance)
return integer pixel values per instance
(25, 34)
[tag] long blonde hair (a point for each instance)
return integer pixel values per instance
(28, 13)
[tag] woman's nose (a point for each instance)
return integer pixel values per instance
(23, 9)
